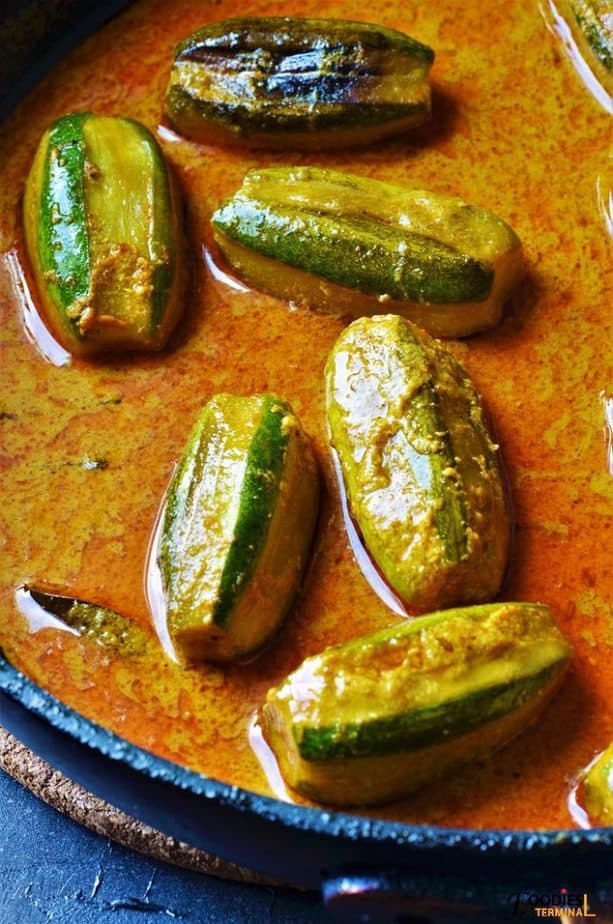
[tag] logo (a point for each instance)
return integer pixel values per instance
(564, 905)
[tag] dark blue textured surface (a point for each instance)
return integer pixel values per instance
(52, 870)
(52, 30)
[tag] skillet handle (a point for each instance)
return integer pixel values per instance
(396, 897)
(400, 898)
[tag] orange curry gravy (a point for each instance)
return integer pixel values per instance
(88, 447)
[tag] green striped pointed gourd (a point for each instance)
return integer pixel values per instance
(418, 464)
(354, 245)
(103, 234)
(303, 83)
(376, 718)
(598, 788)
(238, 526)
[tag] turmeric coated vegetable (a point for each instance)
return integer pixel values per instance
(305, 83)
(418, 464)
(382, 715)
(238, 526)
(103, 234)
(349, 244)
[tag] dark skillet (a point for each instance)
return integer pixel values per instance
(367, 870)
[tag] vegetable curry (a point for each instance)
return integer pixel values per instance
(89, 445)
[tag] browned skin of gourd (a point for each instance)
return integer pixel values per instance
(88, 449)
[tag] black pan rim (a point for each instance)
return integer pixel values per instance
(291, 815)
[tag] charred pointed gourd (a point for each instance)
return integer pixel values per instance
(418, 464)
(598, 787)
(103, 235)
(382, 715)
(307, 83)
(352, 245)
(238, 526)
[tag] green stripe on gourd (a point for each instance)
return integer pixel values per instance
(422, 728)
(373, 257)
(348, 244)
(430, 427)
(103, 232)
(204, 487)
(63, 239)
(259, 492)
(417, 462)
(385, 713)
(237, 528)
(595, 20)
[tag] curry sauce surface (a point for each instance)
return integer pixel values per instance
(88, 447)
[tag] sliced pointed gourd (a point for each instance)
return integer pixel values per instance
(419, 467)
(387, 713)
(103, 234)
(353, 245)
(304, 83)
(238, 526)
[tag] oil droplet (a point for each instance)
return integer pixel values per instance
(267, 761)
(154, 593)
(38, 617)
(367, 566)
(575, 807)
(604, 197)
(35, 330)
(167, 134)
(607, 407)
(576, 810)
(220, 275)
(557, 24)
